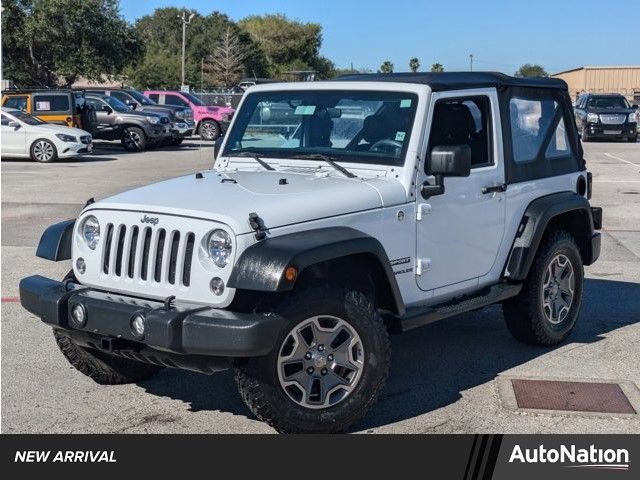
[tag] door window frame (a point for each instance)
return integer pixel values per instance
(495, 140)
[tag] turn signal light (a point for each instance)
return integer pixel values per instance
(290, 274)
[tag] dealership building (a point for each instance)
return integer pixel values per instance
(618, 79)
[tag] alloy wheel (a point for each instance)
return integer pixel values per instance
(558, 289)
(320, 362)
(43, 151)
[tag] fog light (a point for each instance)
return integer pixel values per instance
(81, 266)
(78, 315)
(217, 286)
(137, 325)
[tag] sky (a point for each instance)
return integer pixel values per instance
(501, 34)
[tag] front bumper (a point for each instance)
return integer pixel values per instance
(73, 149)
(157, 131)
(183, 128)
(622, 130)
(183, 330)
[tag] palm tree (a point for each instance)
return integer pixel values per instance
(437, 67)
(386, 67)
(414, 64)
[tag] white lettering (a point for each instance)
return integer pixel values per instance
(516, 454)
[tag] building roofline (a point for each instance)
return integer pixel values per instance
(596, 67)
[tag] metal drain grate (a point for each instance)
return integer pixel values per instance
(571, 396)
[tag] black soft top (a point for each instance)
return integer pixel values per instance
(439, 81)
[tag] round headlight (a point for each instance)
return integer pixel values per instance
(219, 247)
(91, 231)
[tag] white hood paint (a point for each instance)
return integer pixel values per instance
(304, 197)
(60, 129)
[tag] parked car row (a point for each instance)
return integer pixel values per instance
(139, 121)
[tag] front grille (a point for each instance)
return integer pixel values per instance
(612, 119)
(147, 254)
(86, 139)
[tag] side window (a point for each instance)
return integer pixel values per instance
(5, 121)
(51, 103)
(531, 121)
(123, 97)
(95, 103)
(174, 100)
(17, 102)
(155, 97)
(464, 121)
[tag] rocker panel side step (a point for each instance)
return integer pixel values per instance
(419, 316)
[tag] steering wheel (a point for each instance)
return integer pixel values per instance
(386, 146)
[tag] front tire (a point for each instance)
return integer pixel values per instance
(546, 310)
(133, 139)
(328, 368)
(209, 130)
(43, 151)
(101, 367)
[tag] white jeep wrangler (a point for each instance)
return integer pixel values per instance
(336, 212)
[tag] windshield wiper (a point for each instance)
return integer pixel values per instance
(255, 156)
(327, 159)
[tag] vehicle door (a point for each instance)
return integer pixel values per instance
(125, 98)
(105, 116)
(579, 112)
(55, 108)
(459, 232)
(14, 137)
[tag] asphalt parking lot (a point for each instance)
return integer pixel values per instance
(445, 377)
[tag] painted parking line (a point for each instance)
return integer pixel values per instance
(10, 299)
(622, 160)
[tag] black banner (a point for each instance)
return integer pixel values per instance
(466, 457)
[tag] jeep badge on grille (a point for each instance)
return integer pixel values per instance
(151, 220)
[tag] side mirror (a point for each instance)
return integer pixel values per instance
(446, 161)
(217, 145)
(108, 109)
(14, 125)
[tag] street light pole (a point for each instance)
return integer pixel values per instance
(185, 22)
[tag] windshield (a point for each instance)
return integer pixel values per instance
(193, 99)
(347, 126)
(608, 102)
(116, 104)
(141, 98)
(26, 118)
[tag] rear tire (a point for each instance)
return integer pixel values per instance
(546, 310)
(101, 367)
(133, 139)
(43, 151)
(209, 130)
(302, 387)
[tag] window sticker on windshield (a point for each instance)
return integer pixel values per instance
(406, 103)
(400, 135)
(305, 109)
(43, 105)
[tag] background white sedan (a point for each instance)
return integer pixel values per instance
(25, 136)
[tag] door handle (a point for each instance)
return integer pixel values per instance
(495, 188)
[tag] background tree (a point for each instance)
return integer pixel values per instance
(414, 64)
(288, 44)
(531, 70)
(437, 67)
(386, 67)
(53, 42)
(161, 34)
(227, 59)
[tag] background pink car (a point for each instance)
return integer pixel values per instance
(211, 120)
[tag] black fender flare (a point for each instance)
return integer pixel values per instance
(261, 267)
(55, 242)
(532, 227)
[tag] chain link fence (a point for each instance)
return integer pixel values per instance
(221, 97)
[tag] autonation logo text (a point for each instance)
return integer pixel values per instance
(573, 457)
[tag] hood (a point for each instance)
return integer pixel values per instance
(279, 198)
(50, 127)
(214, 109)
(612, 111)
